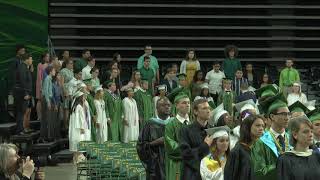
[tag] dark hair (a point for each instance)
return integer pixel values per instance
(215, 155)
(269, 79)
(111, 63)
(42, 57)
(19, 46)
(239, 70)
(77, 71)
(91, 58)
(228, 48)
(216, 62)
(170, 69)
(197, 102)
(115, 56)
(145, 58)
(76, 103)
(221, 121)
(202, 94)
(85, 51)
(49, 69)
(147, 45)
(195, 77)
(245, 128)
(294, 127)
(94, 69)
(162, 99)
(67, 61)
(194, 57)
(25, 56)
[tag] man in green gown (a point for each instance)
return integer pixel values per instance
(288, 76)
(82, 62)
(144, 103)
(275, 141)
(172, 137)
(114, 107)
(227, 96)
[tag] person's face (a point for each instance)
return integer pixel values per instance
(148, 50)
(249, 67)
(114, 66)
(137, 76)
(95, 73)
(191, 55)
(183, 82)
(119, 58)
(53, 72)
(281, 119)
(70, 65)
(145, 85)
(289, 63)
(265, 78)
(164, 107)
(316, 128)
(130, 94)
(304, 136)
(203, 112)
(46, 58)
(228, 120)
(257, 128)
(58, 77)
(92, 63)
(29, 61)
(239, 74)
(216, 67)
(231, 53)
(199, 75)
(223, 143)
(183, 106)
(66, 54)
(79, 76)
(296, 89)
(205, 92)
(86, 55)
(227, 85)
(114, 73)
(162, 92)
(21, 51)
(146, 63)
(113, 87)
(171, 74)
(175, 68)
(13, 161)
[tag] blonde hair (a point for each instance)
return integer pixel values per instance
(4, 159)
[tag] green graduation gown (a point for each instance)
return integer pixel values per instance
(174, 93)
(80, 64)
(264, 156)
(288, 76)
(228, 99)
(172, 147)
(144, 104)
(230, 66)
(114, 107)
(93, 113)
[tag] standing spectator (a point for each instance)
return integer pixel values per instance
(13, 75)
(134, 83)
(170, 81)
(153, 62)
(251, 76)
(86, 75)
(227, 96)
(296, 95)
(288, 76)
(24, 101)
(131, 117)
(57, 105)
(214, 80)
(82, 62)
(47, 121)
(101, 118)
(147, 73)
(117, 58)
(197, 82)
(238, 81)
(231, 64)
(40, 72)
(95, 81)
(64, 56)
(190, 65)
(265, 80)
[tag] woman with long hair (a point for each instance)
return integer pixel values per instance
(212, 166)
(251, 76)
(134, 83)
(265, 80)
(296, 95)
(301, 163)
(196, 84)
(238, 166)
(190, 65)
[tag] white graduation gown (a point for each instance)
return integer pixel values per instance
(102, 132)
(131, 132)
(207, 174)
(234, 136)
(77, 121)
(155, 99)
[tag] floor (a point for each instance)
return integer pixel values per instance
(61, 172)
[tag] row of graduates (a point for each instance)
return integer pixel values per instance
(211, 146)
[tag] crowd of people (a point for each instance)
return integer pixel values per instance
(227, 123)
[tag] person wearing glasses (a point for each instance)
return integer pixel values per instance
(275, 141)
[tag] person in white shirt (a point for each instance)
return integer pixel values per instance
(86, 70)
(296, 95)
(214, 80)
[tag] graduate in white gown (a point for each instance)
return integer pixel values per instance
(131, 118)
(102, 121)
(79, 125)
(296, 95)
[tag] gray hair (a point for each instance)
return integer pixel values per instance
(4, 159)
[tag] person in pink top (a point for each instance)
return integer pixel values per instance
(40, 71)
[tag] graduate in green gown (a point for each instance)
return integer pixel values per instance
(144, 103)
(275, 141)
(227, 96)
(298, 109)
(172, 137)
(90, 99)
(114, 107)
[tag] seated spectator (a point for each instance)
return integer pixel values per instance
(251, 76)
(265, 80)
(238, 80)
(296, 95)
(246, 94)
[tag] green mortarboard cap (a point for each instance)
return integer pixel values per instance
(314, 115)
(268, 90)
(107, 83)
(298, 107)
(180, 96)
(217, 132)
(181, 76)
(276, 102)
(144, 81)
